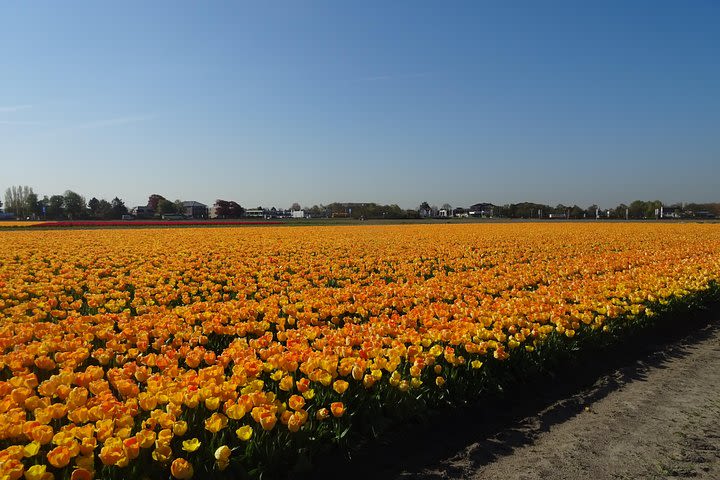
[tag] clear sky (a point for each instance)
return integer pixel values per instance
(270, 103)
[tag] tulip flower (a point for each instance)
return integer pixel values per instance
(244, 433)
(191, 445)
(181, 469)
(337, 409)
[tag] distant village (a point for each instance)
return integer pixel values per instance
(355, 210)
(22, 203)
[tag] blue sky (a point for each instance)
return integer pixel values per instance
(270, 103)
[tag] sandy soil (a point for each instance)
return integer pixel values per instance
(662, 421)
(648, 415)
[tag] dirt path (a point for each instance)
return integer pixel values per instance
(656, 418)
(650, 411)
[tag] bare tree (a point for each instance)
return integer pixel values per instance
(18, 200)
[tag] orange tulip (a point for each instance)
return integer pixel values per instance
(340, 386)
(59, 457)
(181, 469)
(268, 420)
(337, 409)
(81, 474)
(296, 402)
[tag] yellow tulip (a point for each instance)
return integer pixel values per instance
(223, 453)
(191, 445)
(244, 433)
(216, 422)
(31, 449)
(35, 472)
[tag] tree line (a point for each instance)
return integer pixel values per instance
(24, 203)
(638, 209)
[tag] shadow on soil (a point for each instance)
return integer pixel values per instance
(494, 426)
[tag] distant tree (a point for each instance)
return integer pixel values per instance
(235, 210)
(93, 207)
(317, 211)
(702, 209)
(179, 207)
(619, 211)
(165, 207)
(560, 208)
(1, 204)
(118, 208)
(33, 205)
(74, 205)
(526, 210)
(576, 212)
(412, 214)
(18, 200)
(228, 209)
(104, 210)
(591, 211)
(295, 207)
(642, 209)
(447, 206)
(56, 207)
(638, 209)
(153, 201)
(42, 207)
(222, 208)
(652, 209)
(394, 211)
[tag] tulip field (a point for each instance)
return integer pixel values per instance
(238, 352)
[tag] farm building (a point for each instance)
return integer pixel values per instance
(194, 209)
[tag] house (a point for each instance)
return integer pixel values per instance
(298, 214)
(460, 212)
(142, 212)
(255, 212)
(280, 213)
(484, 210)
(673, 211)
(194, 209)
